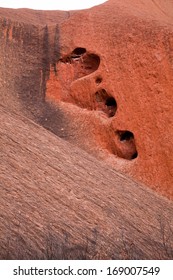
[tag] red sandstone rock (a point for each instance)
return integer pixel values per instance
(101, 79)
(116, 71)
(134, 44)
(57, 201)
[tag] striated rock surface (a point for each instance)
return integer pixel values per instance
(58, 202)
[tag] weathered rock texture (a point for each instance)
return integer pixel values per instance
(101, 79)
(59, 202)
(109, 73)
(126, 90)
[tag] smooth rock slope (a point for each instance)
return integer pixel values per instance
(59, 202)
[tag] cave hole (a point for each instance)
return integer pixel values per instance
(106, 103)
(110, 102)
(111, 106)
(128, 147)
(79, 51)
(98, 80)
(134, 155)
(91, 62)
(83, 62)
(126, 135)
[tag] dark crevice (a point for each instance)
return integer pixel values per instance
(98, 80)
(45, 61)
(135, 155)
(79, 51)
(56, 53)
(126, 135)
(127, 146)
(106, 103)
(111, 106)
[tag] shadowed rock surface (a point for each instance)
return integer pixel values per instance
(56, 200)
(86, 104)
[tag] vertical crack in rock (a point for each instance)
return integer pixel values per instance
(56, 54)
(45, 60)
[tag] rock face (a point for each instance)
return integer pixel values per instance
(58, 202)
(116, 65)
(101, 79)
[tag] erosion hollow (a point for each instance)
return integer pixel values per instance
(79, 51)
(106, 103)
(127, 146)
(83, 62)
(98, 80)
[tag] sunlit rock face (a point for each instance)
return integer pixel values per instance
(116, 68)
(100, 78)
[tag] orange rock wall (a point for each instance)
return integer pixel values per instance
(135, 49)
(108, 71)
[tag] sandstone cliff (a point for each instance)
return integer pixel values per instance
(100, 79)
(109, 72)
